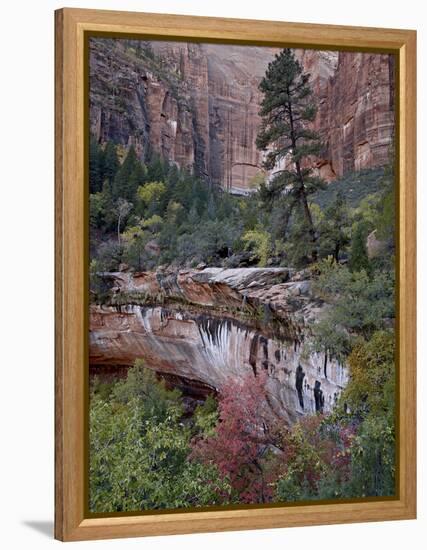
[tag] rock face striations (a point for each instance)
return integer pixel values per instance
(209, 325)
(356, 114)
(197, 105)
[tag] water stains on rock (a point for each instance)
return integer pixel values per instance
(207, 343)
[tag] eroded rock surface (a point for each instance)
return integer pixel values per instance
(213, 324)
(197, 105)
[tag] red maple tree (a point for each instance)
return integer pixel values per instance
(237, 445)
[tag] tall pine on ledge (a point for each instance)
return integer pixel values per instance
(287, 110)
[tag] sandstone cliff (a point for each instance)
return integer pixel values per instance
(197, 105)
(356, 115)
(207, 325)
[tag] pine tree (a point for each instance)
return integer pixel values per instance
(358, 253)
(136, 178)
(157, 168)
(111, 162)
(298, 246)
(287, 110)
(122, 186)
(334, 228)
(96, 166)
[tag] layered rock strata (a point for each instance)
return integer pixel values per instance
(197, 105)
(213, 324)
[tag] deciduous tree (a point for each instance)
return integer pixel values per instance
(236, 446)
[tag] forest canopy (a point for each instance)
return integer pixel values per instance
(147, 451)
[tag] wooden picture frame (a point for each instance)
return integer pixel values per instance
(72, 26)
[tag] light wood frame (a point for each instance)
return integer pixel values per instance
(71, 271)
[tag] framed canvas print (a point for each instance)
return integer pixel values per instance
(235, 274)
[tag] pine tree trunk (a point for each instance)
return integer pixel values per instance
(303, 194)
(304, 202)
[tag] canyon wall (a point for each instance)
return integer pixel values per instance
(197, 105)
(356, 114)
(212, 324)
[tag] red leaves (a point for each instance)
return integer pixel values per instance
(254, 454)
(236, 446)
(341, 457)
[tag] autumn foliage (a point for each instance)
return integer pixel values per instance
(145, 453)
(264, 460)
(237, 444)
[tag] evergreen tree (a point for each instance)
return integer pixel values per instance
(387, 208)
(122, 186)
(334, 228)
(358, 253)
(96, 166)
(157, 168)
(136, 178)
(111, 162)
(298, 246)
(173, 175)
(286, 110)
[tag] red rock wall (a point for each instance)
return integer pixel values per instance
(356, 119)
(210, 351)
(203, 331)
(197, 105)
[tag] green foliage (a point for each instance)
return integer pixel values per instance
(157, 168)
(372, 386)
(139, 449)
(334, 228)
(96, 166)
(358, 253)
(111, 163)
(135, 239)
(354, 186)
(97, 208)
(150, 197)
(128, 177)
(102, 215)
(287, 109)
(257, 180)
(144, 456)
(361, 303)
(102, 389)
(331, 339)
(366, 213)
(258, 240)
(103, 164)
(146, 212)
(142, 383)
(351, 453)
(370, 396)
(373, 459)
(202, 224)
(298, 243)
(386, 222)
(206, 417)
(208, 243)
(305, 461)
